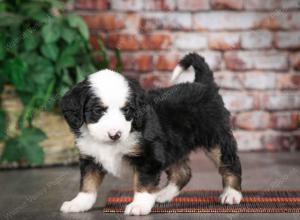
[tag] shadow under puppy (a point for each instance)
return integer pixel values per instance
(119, 127)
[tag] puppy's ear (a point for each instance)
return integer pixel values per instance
(72, 104)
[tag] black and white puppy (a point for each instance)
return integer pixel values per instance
(121, 128)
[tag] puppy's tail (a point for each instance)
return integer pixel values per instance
(203, 73)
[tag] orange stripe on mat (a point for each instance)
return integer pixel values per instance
(213, 199)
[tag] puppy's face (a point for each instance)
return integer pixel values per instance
(105, 103)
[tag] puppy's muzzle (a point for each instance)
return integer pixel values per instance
(114, 135)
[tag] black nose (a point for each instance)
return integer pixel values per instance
(114, 136)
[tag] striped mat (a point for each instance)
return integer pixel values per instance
(207, 201)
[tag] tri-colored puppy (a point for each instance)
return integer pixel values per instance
(121, 128)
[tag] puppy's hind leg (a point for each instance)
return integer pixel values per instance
(178, 175)
(228, 163)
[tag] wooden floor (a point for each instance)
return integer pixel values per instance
(38, 193)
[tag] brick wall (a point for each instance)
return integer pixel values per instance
(252, 45)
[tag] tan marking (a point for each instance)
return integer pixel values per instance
(215, 155)
(179, 173)
(135, 150)
(230, 179)
(92, 180)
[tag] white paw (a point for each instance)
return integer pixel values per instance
(167, 193)
(141, 205)
(82, 202)
(137, 209)
(231, 196)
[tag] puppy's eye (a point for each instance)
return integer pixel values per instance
(99, 110)
(126, 109)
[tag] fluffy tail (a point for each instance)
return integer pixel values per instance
(203, 73)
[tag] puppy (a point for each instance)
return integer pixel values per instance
(121, 128)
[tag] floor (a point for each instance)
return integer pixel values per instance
(39, 193)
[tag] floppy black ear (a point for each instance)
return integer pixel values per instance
(72, 104)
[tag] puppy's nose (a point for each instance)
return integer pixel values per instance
(114, 136)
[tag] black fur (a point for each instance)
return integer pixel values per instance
(182, 118)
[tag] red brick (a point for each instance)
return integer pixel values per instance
(149, 81)
(224, 41)
(262, 5)
(144, 63)
(285, 120)
(228, 80)
(259, 80)
(290, 4)
(279, 19)
(160, 5)
(281, 101)
(156, 41)
(288, 81)
(257, 120)
(214, 59)
(295, 60)
(94, 38)
(126, 5)
(263, 60)
(104, 20)
(275, 141)
(123, 41)
(249, 141)
(127, 60)
(227, 4)
(167, 61)
(288, 40)
(91, 4)
(190, 41)
(169, 21)
(237, 101)
(225, 20)
(256, 39)
(193, 5)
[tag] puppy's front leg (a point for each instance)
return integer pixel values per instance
(92, 175)
(145, 190)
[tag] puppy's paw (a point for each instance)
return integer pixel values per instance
(141, 205)
(231, 196)
(137, 209)
(167, 193)
(82, 202)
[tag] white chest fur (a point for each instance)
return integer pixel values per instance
(110, 156)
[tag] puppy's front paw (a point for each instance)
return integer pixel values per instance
(167, 193)
(137, 209)
(141, 205)
(82, 202)
(231, 196)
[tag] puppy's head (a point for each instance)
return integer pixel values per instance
(108, 104)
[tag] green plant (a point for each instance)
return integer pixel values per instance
(43, 52)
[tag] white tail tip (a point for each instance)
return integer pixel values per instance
(176, 72)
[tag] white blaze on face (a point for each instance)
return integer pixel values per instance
(113, 90)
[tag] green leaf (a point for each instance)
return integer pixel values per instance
(51, 32)
(65, 62)
(11, 151)
(76, 21)
(50, 51)
(2, 46)
(68, 34)
(34, 154)
(10, 19)
(2, 124)
(31, 41)
(16, 69)
(32, 136)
